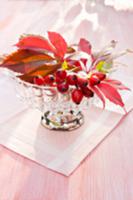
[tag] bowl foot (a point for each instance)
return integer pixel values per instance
(62, 121)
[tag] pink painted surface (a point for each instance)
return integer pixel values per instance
(107, 173)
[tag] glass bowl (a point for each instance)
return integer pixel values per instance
(58, 110)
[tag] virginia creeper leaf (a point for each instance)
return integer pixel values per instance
(59, 43)
(41, 70)
(111, 93)
(34, 42)
(117, 84)
(84, 45)
(39, 57)
(14, 60)
(17, 56)
(23, 59)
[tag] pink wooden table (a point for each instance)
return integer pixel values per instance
(107, 173)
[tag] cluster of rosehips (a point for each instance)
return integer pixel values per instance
(63, 81)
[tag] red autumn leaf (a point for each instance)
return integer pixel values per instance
(34, 42)
(33, 62)
(23, 60)
(41, 70)
(113, 81)
(84, 45)
(13, 61)
(121, 87)
(38, 57)
(99, 94)
(111, 93)
(59, 43)
(117, 84)
(17, 56)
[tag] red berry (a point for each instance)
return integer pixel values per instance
(48, 80)
(63, 87)
(87, 92)
(61, 74)
(100, 75)
(94, 80)
(59, 80)
(39, 80)
(82, 82)
(77, 96)
(72, 79)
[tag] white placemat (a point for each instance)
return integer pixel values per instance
(59, 151)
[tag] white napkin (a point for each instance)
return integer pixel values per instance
(59, 151)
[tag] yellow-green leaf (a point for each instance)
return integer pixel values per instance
(104, 66)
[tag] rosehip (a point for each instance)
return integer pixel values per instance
(77, 96)
(100, 75)
(63, 87)
(82, 82)
(59, 80)
(61, 74)
(39, 80)
(49, 79)
(94, 80)
(87, 92)
(72, 79)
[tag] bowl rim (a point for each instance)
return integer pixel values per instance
(13, 75)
